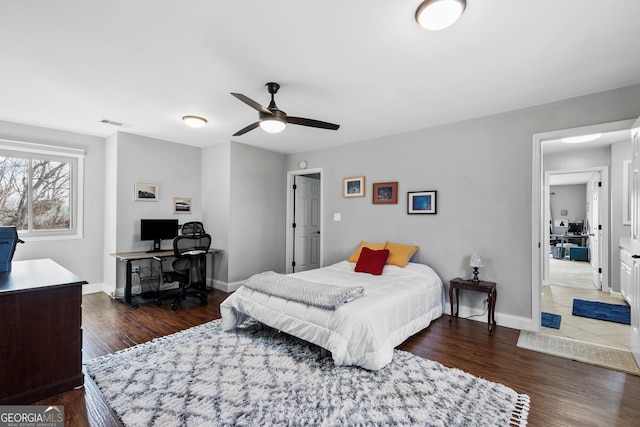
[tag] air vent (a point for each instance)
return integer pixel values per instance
(111, 122)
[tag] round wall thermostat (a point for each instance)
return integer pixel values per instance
(302, 164)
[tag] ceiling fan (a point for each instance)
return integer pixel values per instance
(274, 120)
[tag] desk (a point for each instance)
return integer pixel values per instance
(127, 257)
(564, 237)
(41, 333)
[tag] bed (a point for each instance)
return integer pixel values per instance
(395, 305)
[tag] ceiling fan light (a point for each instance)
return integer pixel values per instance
(437, 15)
(194, 121)
(272, 125)
(582, 138)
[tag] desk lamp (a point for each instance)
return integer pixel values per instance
(476, 262)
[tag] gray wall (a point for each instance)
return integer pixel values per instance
(257, 212)
(620, 151)
(110, 211)
(81, 256)
(482, 170)
(244, 193)
(578, 159)
(174, 167)
(216, 200)
(138, 159)
(571, 198)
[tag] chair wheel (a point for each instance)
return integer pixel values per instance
(174, 306)
(158, 302)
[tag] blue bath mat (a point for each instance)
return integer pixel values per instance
(602, 311)
(551, 320)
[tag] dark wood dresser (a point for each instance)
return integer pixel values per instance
(40, 331)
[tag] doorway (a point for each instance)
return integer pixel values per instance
(304, 220)
(576, 204)
(577, 268)
(540, 215)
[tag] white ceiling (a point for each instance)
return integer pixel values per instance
(364, 64)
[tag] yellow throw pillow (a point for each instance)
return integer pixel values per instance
(373, 246)
(400, 254)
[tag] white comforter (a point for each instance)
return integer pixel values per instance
(363, 332)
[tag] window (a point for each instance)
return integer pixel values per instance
(41, 189)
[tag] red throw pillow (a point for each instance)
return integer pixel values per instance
(371, 261)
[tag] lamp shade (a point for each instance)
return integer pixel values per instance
(437, 15)
(476, 261)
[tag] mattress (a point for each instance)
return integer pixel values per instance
(363, 332)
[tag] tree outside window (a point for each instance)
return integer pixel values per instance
(35, 194)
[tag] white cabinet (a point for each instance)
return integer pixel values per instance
(626, 274)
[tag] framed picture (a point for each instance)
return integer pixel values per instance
(385, 193)
(421, 202)
(353, 187)
(561, 222)
(146, 192)
(182, 205)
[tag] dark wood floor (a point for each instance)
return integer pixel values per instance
(563, 392)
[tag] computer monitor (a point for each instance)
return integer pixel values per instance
(575, 228)
(158, 230)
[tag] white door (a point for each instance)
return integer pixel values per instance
(595, 230)
(306, 232)
(635, 240)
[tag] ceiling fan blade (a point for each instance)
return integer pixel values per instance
(244, 130)
(312, 123)
(251, 103)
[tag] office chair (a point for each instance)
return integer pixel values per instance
(189, 268)
(193, 227)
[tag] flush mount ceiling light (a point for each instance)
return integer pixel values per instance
(437, 15)
(583, 138)
(194, 121)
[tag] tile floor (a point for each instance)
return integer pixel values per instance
(558, 299)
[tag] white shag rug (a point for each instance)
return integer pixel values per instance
(600, 355)
(256, 376)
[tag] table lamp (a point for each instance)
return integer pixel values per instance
(475, 262)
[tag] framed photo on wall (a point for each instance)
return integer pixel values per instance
(421, 202)
(385, 193)
(146, 192)
(182, 205)
(353, 187)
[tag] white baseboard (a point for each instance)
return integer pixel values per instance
(615, 294)
(92, 288)
(506, 320)
(118, 293)
(226, 287)
(515, 322)
(115, 293)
